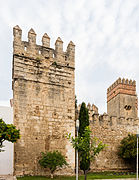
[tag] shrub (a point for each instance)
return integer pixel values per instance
(52, 160)
(8, 132)
(128, 149)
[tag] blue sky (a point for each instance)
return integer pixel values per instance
(105, 32)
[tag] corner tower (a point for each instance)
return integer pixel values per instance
(43, 100)
(122, 99)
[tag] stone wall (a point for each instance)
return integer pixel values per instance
(43, 101)
(111, 130)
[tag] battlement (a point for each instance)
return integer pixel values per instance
(105, 120)
(91, 108)
(31, 49)
(121, 86)
(113, 121)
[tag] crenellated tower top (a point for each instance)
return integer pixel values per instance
(122, 98)
(121, 86)
(46, 40)
(31, 49)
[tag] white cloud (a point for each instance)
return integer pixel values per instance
(105, 33)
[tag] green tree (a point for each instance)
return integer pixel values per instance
(83, 119)
(84, 122)
(8, 132)
(128, 149)
(52, 160)
(88, 147)
(75, 102)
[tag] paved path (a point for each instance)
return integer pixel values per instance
(119, 179)
(7, 177)
(10, 177)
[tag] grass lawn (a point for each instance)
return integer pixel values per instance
(103, 175)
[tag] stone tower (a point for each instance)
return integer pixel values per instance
(122, 99)
(43, 100)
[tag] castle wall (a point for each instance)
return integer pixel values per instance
(111, 130)
(43, 101)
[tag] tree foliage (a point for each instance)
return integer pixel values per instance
(128, 149)
(84, 122)
(75, 102)
(8, 132)
(52, 160)
(83, 119)
(88, 147)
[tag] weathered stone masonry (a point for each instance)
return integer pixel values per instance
(44, 100)
(111, 128)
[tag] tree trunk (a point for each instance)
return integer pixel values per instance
(52, 176)
(85, 175)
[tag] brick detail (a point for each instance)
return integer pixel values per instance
(121, 87)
